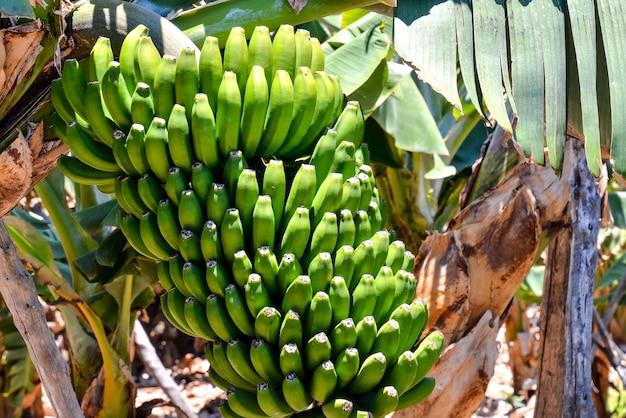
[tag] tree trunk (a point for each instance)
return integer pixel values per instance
(564, 383)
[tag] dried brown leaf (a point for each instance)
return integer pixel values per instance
(297, 5)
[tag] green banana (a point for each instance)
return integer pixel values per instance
(228, 115)
(265, 362)
(136, 149)
(323, 154)
(375, 216)
(347, 366)
(367, 191)
(239, 357)
(115, 95)
(263, 223)
(295, 393)
(327, 198)
(337, 408)
(288, 270)
(402, 315)
(232, 234)
(342, 336)
(382, 402)
(427, 353)
(59, 101)
(404, 285)
(163, 273)
(366, 331)
(395, 256)
(351, 195)
(219, 360)
(298, 295)
(370, 374)
(317, 55)
(235, 164)
(417, 393)
(175, 183)
(216, 277)
(146, 60)
(340, 299)
(387, 340)
(221, 383)
(163, 89)
(339, 98)
(176, 273)
(238, 311)
(201, 181)
(260, 49)
(246, 195)
(226, 411)
(272, 401)
(419, 319)
(142, 104)
(295, 237)
(178, 143)
(203, 136)
(324, 236)
(323, 382)
(195, 281)
(401, 375)
(150, 191)
(187, 79)
(172, 306)
(236, 55)
(284, 50)
(320, 271)
(218, 203)
(345, 264)
(291, 329)
(409, 261)
(120, 154)
(167, 313)
(127, 196)
(385, 284)
(346, 229)
(304, 49)
(195, 315)
(219, 319)
(350, 125)
(190, 212)
(157, 151)
(267, 325)
(290, 360)
(254, 108)
(149, 230)
(381, 246)
(363, 262)
(128, 51)
(74, 86)
(319, 316)
(302, 192)
(343, 159)
(210, 244)
(211, 70)
(256, 295)
(96, 154)
(242, 269)
(317, 350)
(275, 186)
(266, 265)
(363, 298)
(104, 128)
(129, 224)
(244, 403)
(279, 114)
(305, 97)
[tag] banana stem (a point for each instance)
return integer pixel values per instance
(124, 320)
(217, 18)
(74, 240)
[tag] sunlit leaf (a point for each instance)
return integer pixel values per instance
(440, 169)
(29, 240)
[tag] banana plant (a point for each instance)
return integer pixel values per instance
(97, 285)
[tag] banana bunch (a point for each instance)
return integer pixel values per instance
(242, 173)
(144, 112)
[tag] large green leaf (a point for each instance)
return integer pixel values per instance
(545, 62)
